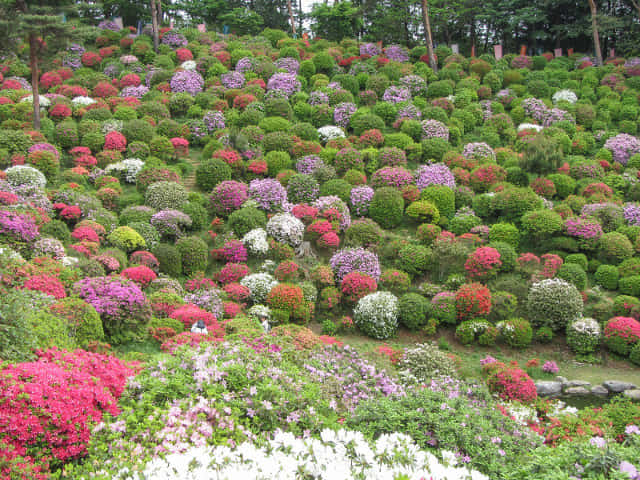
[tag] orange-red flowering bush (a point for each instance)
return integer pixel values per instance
(473, 300)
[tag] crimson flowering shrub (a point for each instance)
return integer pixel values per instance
(287, 297)
(287, 271)
(232, 272)
(189, 314)
(509, 382)
(48, 407)
(190, 339)
(140, 274)
(621, 334)
(356, 285)
(483, 264)
(115, 141)
(231, 251)
(237, 292)
(473, 300)
(85, 234)
(46, 284)
(147, 259)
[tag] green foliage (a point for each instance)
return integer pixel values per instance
(211, 172)
(387, 206)
(414, 310)
(194, 254)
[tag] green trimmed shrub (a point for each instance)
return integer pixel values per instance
(126, 239)
(211, 172)
(414, 310)
(442, 197)
(607, 277)
(516, 332)
(194, 254)
(387, 207)
(573, 273)
(169, 258)
(245, 219)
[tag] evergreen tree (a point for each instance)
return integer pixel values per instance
(42, 25)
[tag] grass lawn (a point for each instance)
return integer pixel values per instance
(610, 368)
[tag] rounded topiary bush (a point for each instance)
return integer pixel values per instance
(554, 303)
(584, 335)
(126, 239)
(414, 310)
(423, 362)
(376, 315)
(472, 300)
(387, 207)
(516, 332)
(607, 276)
(574, 274)
(169, 259)
(414, 259)
(211, 172)
(621, 334)
(82, 320)
(193, 254)
(443, 197)
(614, 247)
(246, 219)
(166, 195)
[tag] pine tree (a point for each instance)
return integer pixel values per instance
(42, 25)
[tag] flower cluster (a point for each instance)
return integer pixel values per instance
(350, 260)
(623, 147)
(435, 174)
(286, 228)
(188, 81)
(434, 129)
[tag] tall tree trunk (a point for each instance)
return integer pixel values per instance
(300, 15)
(636, 5)
(427, 32)
(159, 12)
(293, 23)
(35, 79)
(154, 25)
(594, 27)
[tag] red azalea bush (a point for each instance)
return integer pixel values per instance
(50, 79)
(147, 259)
(130, 80)
(48, 407)
(329, 240)
(188, 338)
(180, 146)
(285, 296)
(90, 59)
(115, 141)
(46, 284)
(190, 314)
(483, 263)
(287, 271)
(184, 54)
(141, 274)
(237, 292)
(621, 333)
(230, 157)
(356, 285)
(104, 90)
(232, 272)
(60, 111)
(510, 382)
(231, 251)
(473, 300)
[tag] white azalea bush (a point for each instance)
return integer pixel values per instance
(255, 241)
(128, 169)
(564, 95)
(286, 228)
(584, 335)
(554, 303)
(376, 314)
(530, 126)
(24, 175)
(44, 101)
(188, 65)
(330, 132)
(341, 454)
(259, 284)
(82, 101)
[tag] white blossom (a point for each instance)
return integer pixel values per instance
(566, 95)
(330, 132)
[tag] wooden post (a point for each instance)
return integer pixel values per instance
(594, 27)
(293, 25)
(154, 25)
(35, 78)
(427, 31)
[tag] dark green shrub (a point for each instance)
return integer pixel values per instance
(516, 332)
(607, 277)
(56, 229)
(614, 247)
(414, 259)
(543, 155)
(278, 161)
(244, 220)
(194, 254)
(505, 232)
(211, 172)
(442, 197)
(387, 207)
(630, 285)
(363, 233)
(414, 310)
(169, 258)
(573, 273)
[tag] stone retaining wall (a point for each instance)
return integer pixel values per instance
(578, 388)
